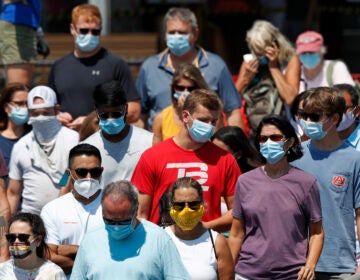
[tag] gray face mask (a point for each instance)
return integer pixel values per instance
(45, 127)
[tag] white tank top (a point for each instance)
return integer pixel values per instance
(197, 255)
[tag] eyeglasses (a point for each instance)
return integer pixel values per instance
(115, 115)
(94, 172)
(272, 137)
(84, 31)
(193, 205)
(19, 103)
(182, 88)
(312, 116)
(23, 237)
(117, 222)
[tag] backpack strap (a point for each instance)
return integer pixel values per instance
(329, 73)
(212, 242)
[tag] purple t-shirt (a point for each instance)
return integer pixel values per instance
(277, 213)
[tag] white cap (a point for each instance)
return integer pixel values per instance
(45, 93)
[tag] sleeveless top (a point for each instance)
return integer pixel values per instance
(168, 126)
(197, 255)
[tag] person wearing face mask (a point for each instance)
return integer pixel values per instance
(75, 76)
(80, 209)
(13, 117)
(189, 153)
(205, 253)
(336, 166)
(29, 252)
(39, 159)
(314, 70)
(181, 32)
(277, 214)
(126, 247)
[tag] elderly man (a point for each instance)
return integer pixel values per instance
(153, 83)
(75, 76)
(126, 246)
(39, 159)
(189, 153)
(80, 209)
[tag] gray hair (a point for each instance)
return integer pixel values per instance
(183, 14)
(120, 189)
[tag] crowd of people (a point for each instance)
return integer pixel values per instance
(184, 174)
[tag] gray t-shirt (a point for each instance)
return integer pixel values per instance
(277, 213)
(119, 159)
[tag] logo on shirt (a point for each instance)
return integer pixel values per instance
(95, 72)
(196, 170)
(338, 181)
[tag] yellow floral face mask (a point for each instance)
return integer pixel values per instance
(187, 218)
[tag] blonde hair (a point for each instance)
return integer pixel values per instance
(92, 13)
(261, 35)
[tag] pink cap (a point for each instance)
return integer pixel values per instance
(309, 41)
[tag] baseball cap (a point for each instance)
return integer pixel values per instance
(309, 41)
(44, 92)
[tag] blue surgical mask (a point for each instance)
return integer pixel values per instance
(313, 129)
(177, 94)
(19, 115)
(87, 42)
(272, 151)
(119, 232)
(310, 60)
(112, 126)
(263, 60)
(178, 43)
(200, 131)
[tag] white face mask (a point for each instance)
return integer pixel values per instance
(347, 120)
(86, 187)
(45, 127)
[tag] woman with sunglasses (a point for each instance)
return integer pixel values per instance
(205, 253)
(168, 122)
(26, 239)
(277, 229)
(13, 117)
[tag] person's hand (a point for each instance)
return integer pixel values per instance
(76, 124)
(306, 273)
(64, 118)
(248, 72)
(272, 53)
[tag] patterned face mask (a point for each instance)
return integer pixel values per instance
(187, 218)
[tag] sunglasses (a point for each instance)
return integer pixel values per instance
(311, 116)
(193, 205)
(84, 31)
(272, 137)
(23, 237)
(107, 115)
(117, 222)
(94, 172)
(182, 88)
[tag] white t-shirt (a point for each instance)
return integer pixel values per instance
(198, 255)
(67, 220)
(119, 159)
(47, 271)
(29, 164)
(340, 75)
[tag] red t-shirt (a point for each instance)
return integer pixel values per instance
(160, 166)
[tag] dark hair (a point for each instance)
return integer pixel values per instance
(109, 94)
(287, 129)
(37, 228)
(349, 89)
(6, 96)
(119, 189)
(83, 149)
(185, 182)
(295, 105)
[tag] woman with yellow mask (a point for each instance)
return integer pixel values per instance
(205, 253)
